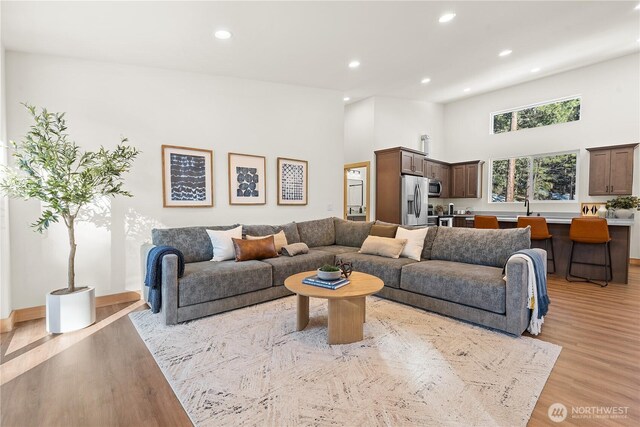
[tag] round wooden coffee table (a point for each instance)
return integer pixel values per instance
(346, 304)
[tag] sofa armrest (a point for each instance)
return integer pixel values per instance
(518, 312)
(145, 248)
(169, 289)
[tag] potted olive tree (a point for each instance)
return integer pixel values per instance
(623, 206)
(51, 168)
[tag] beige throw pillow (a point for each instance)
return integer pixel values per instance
(383, 246)
(415, 242)
(280, 239)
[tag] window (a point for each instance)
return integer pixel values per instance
(547, 177)
(536, 115)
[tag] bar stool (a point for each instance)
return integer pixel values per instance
(484, 221)
(539, 231)
(590, 231)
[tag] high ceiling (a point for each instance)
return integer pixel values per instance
(311, 43)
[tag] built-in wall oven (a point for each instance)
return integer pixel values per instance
(435, 188)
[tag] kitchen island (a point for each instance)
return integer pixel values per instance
(619, 231)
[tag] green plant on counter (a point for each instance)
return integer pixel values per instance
(329, 268)
(624, 202)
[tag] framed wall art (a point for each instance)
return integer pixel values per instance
(187, 177)
(293, 183)
(247, 177)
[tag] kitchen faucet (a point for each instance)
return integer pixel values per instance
(526, 204)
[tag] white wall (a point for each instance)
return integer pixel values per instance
(5, 256)
(379, 122)
(154, 107)
(610, 115)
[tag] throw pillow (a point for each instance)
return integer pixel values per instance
(383, 246)
(383, 230)
(415, 242)
(247, 250)
(280, 239)
(222, 244)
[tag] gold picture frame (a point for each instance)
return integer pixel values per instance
(247, 179)
(293, 181)
(187, 177)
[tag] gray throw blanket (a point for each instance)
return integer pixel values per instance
(295, 249)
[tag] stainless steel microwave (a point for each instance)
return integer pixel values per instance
(435, 188)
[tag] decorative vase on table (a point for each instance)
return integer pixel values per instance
(602, 211)
(624, 213)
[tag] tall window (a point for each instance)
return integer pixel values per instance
(536, 115)
(538, 177)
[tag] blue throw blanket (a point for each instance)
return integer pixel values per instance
(540, 278)
(154, 273)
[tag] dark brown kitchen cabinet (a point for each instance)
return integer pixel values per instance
(437, 171)
(611, 170)
(466, 180)
(411, 163)
(444, 180)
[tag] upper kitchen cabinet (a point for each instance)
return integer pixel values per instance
(439, 171)
(466, 179)
(411, 162)
(611, 170)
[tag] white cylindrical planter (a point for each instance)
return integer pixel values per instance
(70, 312)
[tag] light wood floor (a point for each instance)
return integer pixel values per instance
(109, 378)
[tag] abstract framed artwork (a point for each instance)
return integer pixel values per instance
(293, 183)
(187, 177)
(247, 177)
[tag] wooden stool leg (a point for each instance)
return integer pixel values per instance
(303, 312)
(345, 320)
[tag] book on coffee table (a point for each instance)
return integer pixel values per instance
(329, 284)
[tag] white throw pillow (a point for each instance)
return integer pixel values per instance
(223, 248)
(415, 242)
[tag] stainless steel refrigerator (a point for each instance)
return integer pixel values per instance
(415, 200)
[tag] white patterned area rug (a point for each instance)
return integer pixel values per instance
(249, 367)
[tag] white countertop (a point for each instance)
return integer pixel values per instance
(551, 220)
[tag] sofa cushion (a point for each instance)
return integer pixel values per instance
(478, 246)
(337, 250)
(209, 281)
(387, 269)
(380, 230)
(193, 242)
(351, 233)
(473, 285)
(285, 266)
(290, 230)
(383, 246)
(279, 239)
(248, 250)
(428, 242)
(319, 232)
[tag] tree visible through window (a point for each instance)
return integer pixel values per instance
(543, 177)
(537, 115)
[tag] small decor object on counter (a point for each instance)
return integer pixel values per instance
(592, 209)
(328, 284)
(187, 176)
(439, 210)
(624, 206)
(292, 181)
(329, 272)
(345, 267)
(247, 179)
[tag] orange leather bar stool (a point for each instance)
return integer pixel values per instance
(539, 231)
(590, 231)
(482, 221)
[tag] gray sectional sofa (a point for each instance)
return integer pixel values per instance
(460, 273)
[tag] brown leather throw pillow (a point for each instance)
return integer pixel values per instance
(383, 230)
(247, 250)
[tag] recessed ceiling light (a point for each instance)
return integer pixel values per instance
(425, 80)
(505, 52)
(535, 70)
(467, 89)
(222, 34)
(346, 98)
(354, 64)
(446, 17)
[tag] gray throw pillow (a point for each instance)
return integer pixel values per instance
(318, 232)
(351, 233)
